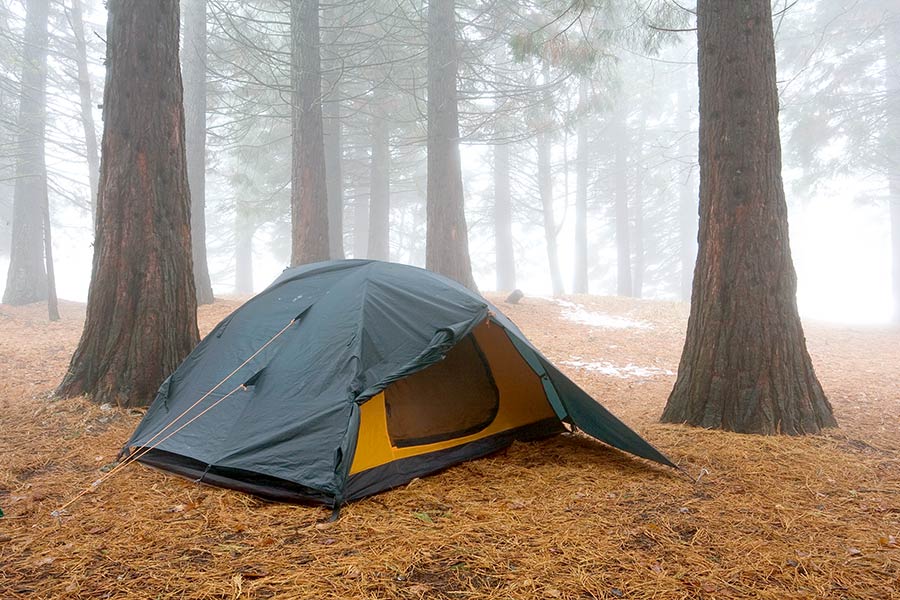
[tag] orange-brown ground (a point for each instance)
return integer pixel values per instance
(810, 517)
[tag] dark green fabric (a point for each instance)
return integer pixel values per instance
(359, 325)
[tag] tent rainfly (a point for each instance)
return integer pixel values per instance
(346, 378)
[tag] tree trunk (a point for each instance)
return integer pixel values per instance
(545, 189)
(580, 284)
(503, 237)
(637, 284)
(309, 199)
(623, 243)
(142, 309)
(892, 146)
(7, 137)
(745, 366)
(243, 252)
(52, 300)
(194, 64)
(446, 238)
(26, 280)
(334, 181)
(360, 225)
(895, 239)
(380, 187)
(87, 105)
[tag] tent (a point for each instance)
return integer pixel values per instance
(346, 378)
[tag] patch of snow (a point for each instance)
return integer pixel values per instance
(607, 368)
(579, 314)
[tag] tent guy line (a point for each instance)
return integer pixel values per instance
(136, 456)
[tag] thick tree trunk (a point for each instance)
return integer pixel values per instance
(87, 106)
(26, 280)
(309, 199)
(623, 241)
(334, 181)
(446, 238)
(745, 366)
(142, 309)
(580, 284)
(194, 66)
(243, 253)
(380, 187)
(503, 237)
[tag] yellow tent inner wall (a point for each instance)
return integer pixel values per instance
(522, 401)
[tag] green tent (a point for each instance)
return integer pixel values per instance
(346, 378)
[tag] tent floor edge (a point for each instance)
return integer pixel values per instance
(262, 486)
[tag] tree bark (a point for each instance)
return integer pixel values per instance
(503, 237)
(309, 198)
(26, 280)
(334, 181)
(380, 186)
(580, 283)
(447, 237)
(87, 105)
(745, 366)
(142, 310)
(194, 64)
(623, 242)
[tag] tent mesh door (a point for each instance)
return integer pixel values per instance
(449, 399)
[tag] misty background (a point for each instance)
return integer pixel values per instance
(614, 95)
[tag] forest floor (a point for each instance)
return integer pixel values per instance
(755, 517)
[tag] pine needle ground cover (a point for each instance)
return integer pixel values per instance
(755, 517)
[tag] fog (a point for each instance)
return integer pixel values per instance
(836, 102)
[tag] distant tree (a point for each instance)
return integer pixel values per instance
(447, 237)
(545, 184)
(503, 236)
(745, 366)
(309, 202)
(620, 187)
(380, 182)
(334, 184)
(194, 69)
(142, 309)
(580, 282)
(891, 143)
(26, 280)
(92, 153)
